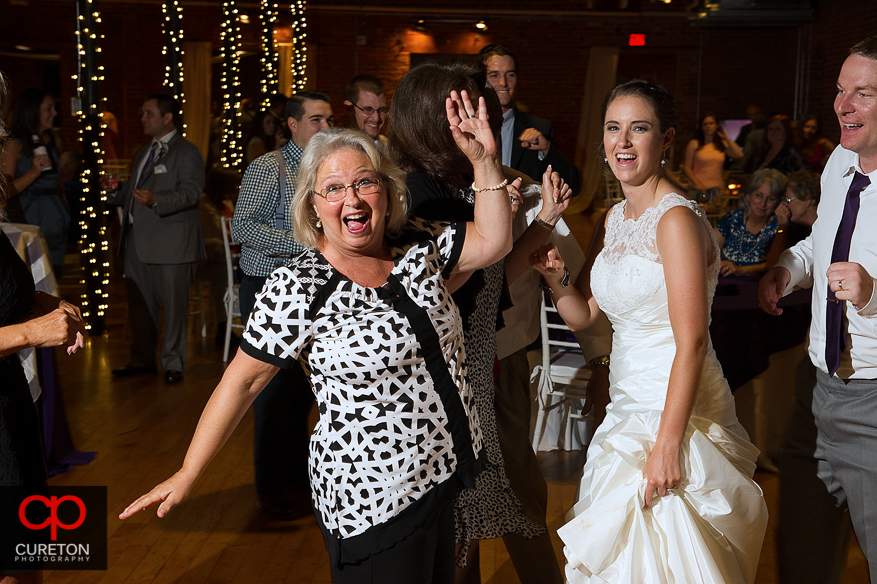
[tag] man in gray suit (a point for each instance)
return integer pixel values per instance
(829, 464)
(161, 239)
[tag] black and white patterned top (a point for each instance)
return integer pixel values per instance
(254, 213)
(388, 371)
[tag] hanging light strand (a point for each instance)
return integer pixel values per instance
(299, 50)
(270, 76)
(231, 154)
(94, 241)
(172, 26)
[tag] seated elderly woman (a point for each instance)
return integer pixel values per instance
(796, 213)
(745, 233)
(367, 312)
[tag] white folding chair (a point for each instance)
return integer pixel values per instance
(232, 293)
(563, 375)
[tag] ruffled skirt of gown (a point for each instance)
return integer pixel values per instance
(710, 529)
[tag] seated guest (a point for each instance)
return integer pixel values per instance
(745, 234)
(398, 408)
(780, 152)
(261, 138)
(705, 156)
(796, 213)
(814, 148)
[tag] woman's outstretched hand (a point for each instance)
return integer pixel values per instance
(169, 494)
(470, 127)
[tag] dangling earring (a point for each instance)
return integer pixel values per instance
(605, 160)
(319, 222)
(663, 162)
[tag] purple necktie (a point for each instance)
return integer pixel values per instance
(835, 340)
(147, 168)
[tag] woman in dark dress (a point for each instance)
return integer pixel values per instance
(441, 188)
(21, 457)
(34, 177)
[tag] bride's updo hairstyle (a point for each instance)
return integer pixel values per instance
(658, 96)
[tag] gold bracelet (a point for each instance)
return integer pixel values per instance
(504, 182)
(544, 223)
(780, 231)
(601, 360)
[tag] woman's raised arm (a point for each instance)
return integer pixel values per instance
(489, 239)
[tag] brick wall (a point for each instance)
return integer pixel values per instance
(737, 66)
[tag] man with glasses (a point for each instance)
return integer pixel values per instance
(368, 98)
(262, 224)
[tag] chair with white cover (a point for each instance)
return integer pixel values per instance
(563, 378)
(232, 292)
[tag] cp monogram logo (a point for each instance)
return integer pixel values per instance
(53, 521)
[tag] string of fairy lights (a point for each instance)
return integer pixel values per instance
(93, 220)
(94, 241)
(172, 27)
(299, 50)
(270, 73)
(231, 151)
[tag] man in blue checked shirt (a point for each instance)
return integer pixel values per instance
(262, 224)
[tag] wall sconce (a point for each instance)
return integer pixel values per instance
(481, 25)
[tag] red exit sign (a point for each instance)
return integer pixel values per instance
(637, 39)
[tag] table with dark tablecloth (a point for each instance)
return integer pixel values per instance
(744, 336)
(759, 354)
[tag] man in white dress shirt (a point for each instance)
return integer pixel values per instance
(829, 463)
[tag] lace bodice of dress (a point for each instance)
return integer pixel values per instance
(628, 271)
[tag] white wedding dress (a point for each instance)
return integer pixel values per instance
(711, 528)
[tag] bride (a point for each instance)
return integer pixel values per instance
(667, 494)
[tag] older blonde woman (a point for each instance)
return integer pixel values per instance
(366, 310)
(745, 234)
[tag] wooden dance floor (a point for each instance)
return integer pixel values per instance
(141, 427)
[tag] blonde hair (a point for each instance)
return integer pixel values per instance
(321, 146)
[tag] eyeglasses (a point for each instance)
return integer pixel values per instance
(789, 200)
(371, 111)
(364, 186)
